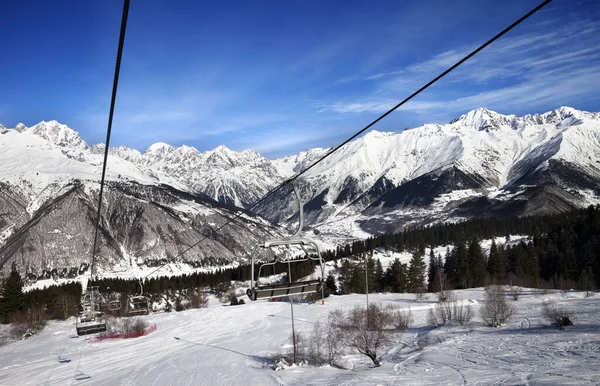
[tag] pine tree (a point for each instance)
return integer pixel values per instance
(492, 263)
(395, 276)
(11, 295)
(378, 276)
(345, 278)
(330, 284)
(357, 284)
(416, 273)
(434, 273)
(476, 264)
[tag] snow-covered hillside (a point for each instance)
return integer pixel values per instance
(239, 345)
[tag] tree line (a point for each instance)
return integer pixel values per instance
(562, 251)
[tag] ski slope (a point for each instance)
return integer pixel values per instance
(223, 345)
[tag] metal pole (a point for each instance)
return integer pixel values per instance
(292, 310)
(92, 302)
(367, 280)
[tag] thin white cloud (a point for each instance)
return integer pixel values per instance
(527, 69)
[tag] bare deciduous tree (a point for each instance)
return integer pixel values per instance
(496, 310)
(333, 335)
(316, 344)
(366, 330)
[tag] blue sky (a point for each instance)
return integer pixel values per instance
(282, 76)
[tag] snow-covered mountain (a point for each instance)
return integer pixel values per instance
(49, 183)
(482, 163)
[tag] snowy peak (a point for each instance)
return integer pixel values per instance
(222, 156)
(158, 151)
(483, 119)
(58, 134)
(20, 127)
(292, 164)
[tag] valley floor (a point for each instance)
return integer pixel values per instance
(224, 345)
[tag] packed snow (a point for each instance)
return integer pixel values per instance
(238, 345)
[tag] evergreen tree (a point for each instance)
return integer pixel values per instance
(433, 273)
(357, 283)
(378, 276)
(492, 262)
(330, 284)
(416, 273)
(11, 295)
(395, 276)
(498, 263)
(457, 266)
(346, 277)
(476, 263)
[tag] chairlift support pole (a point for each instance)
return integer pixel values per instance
(292, 311)
(367, 279)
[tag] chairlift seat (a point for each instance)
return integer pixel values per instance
(137, 305)
(90, 323)
(288, 289)
(114, 305)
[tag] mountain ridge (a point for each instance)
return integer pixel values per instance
(481, 163)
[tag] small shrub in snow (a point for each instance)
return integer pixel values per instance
(222, 291)
(296, 355)
(463, 314)
(514, 292)
(27, 323)
(179, 306)
(431, 318)
(496, 310)
(556, 315)
(333, 336)
(443, 295)
(449, 310)
(198, 299)
(127, 325)
(421, 295)
(401, 319)
(227, 296)
(134, 325)
(316, 296)
(241, 301)
(316, 351)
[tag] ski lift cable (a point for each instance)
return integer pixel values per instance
(109, 128)
(407, 99)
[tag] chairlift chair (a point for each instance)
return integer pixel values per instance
(291, 288)
(114, 304)
(90, 320)
(138, 304)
